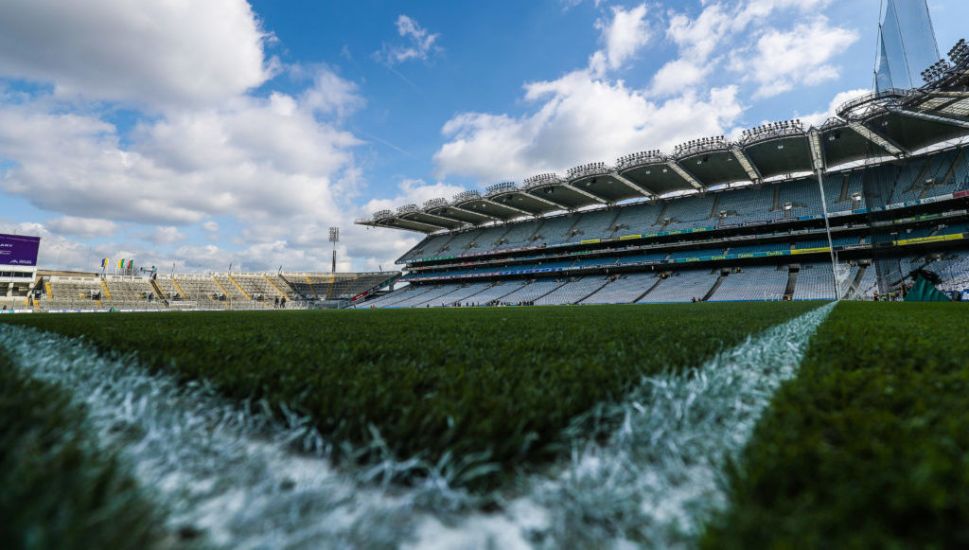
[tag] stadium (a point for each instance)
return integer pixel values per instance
(879, 192)
(749, 340)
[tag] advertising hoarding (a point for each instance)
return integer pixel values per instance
(19, 250)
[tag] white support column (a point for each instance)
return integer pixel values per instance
(827, 229)
(445, 218)
(817, 154)
(632, 185)
(941, 119)
(596, 198)
(546, 201)
(508, 206)
(425, 223)
(675, 166)
(752, 172)
(877, 139)
(475, 213)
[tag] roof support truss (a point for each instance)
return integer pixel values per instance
(752, 172)
(596, 198)
(675, 166)
(445, 218)
(436, 226)
(941, 119)
(508, 206)
(547, 201)
(474, 213)
(631, 185)
(877, 139)
(428, 228)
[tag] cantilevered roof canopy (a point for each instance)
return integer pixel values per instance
(878, 127)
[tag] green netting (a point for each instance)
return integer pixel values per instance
(924, 291)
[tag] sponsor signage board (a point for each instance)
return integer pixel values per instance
(19, 250)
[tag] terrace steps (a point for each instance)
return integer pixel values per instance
(181, 291)
(648, 290)
(236, 284)
(535, 234)
(593, 293)
(312, 287)
(950, 174)
(273, 284)
(218, 284)
(855, 287)
(105, 291)
(445, 295)
(157, 290)
(714, 288)
(715, 207)
(845, 188)
(791, 285)
(662, 213)
(612, 222)
(537, 298)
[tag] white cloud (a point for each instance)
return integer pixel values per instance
(623, 35)
(677, 75)
(783, 60)
(254, 158)
(579, 119)
(744, 36)
(819, 118)
(420, 43)
(166, 235)
(151, 52)
(210, 226)
(329, 94)
(82, 227)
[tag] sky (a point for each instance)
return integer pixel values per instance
(198, 135)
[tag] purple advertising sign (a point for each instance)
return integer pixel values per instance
(19, 250)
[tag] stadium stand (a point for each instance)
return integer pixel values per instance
(815, 282)
(533, 290)
(682, 286)
(881, 188)
(573, 291)
(752, 284)
(623, 289)
(66, 291)
(132, 293)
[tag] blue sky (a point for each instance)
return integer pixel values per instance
(202, 134)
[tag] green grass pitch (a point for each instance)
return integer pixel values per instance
(502, 382)
(59, 490)
(866, 447)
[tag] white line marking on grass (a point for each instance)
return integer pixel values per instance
(226, 472)
(230, 472)
(659, 477)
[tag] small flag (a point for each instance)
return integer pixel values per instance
(121, 263)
